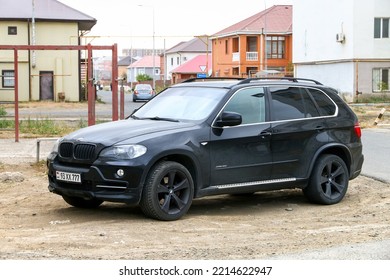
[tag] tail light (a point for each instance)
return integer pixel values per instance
(358, 130)
(136, 92)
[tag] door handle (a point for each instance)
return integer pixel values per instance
(264, 134)
(320, 128)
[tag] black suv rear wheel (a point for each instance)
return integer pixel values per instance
(168, 192)
(329, 180)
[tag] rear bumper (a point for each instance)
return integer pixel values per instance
(357, 168)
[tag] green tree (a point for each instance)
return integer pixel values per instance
(143, 77)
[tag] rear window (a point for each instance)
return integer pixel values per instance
(143, 86)
(325, 104)
(289, 103)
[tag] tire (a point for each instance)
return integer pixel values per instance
(81, 202)
(168, 192)
(328, 182)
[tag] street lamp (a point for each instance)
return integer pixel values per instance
(154, 51)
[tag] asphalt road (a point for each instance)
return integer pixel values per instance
(103, 109)
(376, 149)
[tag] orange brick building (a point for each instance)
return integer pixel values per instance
(256, 46)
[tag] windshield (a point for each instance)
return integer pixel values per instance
(182, 103)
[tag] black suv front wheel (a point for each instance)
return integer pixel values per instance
(168, 192)
(329, 180)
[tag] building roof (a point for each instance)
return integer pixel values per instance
(126, 61)
(198, 44)
(146, 62)
(196, 65)
(44, 10)
(276, 20)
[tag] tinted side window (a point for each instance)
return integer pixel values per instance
(325, 105)
(290, 103)
(250, 103)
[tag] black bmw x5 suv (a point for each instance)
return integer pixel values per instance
(210, 137)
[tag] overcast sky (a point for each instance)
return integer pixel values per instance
(130, 22)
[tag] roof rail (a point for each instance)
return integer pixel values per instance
(291, 79)
(212, 78)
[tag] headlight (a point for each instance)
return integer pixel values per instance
(56, 145)
(123, 151)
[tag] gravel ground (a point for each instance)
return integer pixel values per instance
(39, 225)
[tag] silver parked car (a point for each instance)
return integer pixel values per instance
(143, 92)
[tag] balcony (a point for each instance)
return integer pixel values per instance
(252, 56)
(236, 56)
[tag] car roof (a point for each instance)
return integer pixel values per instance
(143, 85)
(227, 82)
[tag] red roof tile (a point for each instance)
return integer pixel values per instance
(146, 61)
(277, 19)
(195, 65)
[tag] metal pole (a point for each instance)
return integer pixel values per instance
(122, 101)
(154, 53)
(91, 91)
(114, 82)
(265, 37)
(16, 81)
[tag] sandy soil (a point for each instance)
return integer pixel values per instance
(36, 224)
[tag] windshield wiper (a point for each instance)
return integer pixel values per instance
(157, 118)
(133, 117)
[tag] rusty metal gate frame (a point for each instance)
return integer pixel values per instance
(90, 88)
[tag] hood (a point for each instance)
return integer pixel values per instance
(113, 132)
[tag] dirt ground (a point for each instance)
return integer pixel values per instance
(36, 224)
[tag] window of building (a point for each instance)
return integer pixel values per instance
(8, 78)
(251, 44)
(251, 71)
(235, 45)
(177, 60)
(381, 28)
(12, 30)
(380, 79)
(226, 46)
(171, 60)
(276, 46)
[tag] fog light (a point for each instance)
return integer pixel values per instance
(120, 172)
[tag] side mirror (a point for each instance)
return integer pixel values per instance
(229, 119)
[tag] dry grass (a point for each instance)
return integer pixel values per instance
(367, 115)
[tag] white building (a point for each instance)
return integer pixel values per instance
(344, 44)
(185, 51)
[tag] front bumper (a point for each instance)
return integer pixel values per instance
(98, 181)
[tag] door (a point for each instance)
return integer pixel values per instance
(240, 155)
(46, 85)
(297, 132)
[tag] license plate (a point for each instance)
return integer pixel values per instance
(68, 177)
